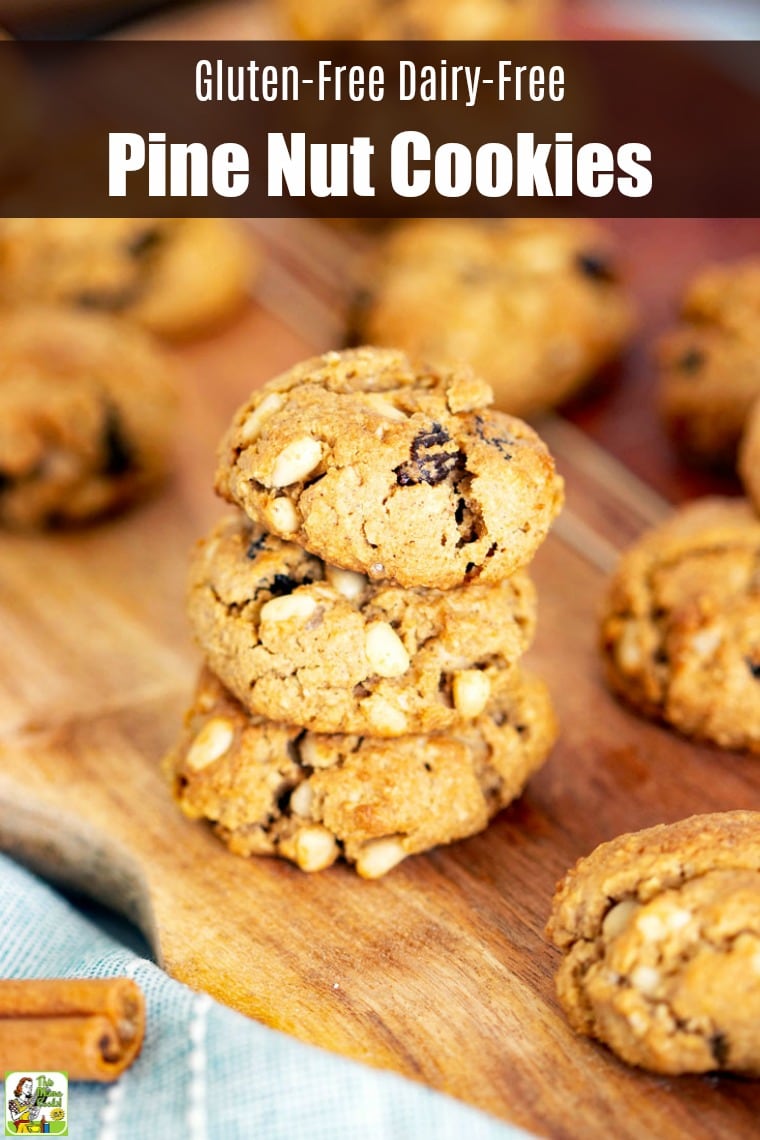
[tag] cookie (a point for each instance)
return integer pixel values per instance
(87, 408)
(297, 640)
(749, 455)
(681, 626)
(271, 789)
(391, 469)
(420, 20)
(661, 935)
(710, 364)
(175, 276)
(535, 307)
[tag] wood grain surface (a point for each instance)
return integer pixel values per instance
(440, 970)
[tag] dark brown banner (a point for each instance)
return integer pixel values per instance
(380, 129)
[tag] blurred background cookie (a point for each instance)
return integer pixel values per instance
(710, 363)
(536, 307)
(749, 455)
(420, 19)
(681, 624)
(177, 277)
(87, 405)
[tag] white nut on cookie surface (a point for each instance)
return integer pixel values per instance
(211, 743)
(252, 425)
(347, 582)
(296, 461)
(302, 799)
(315, 848)
(385, 718)
(617, 919)
(293, 607)
(378, 857)
(471, 690)
(381, 404)
(282, 516)
(385, 650)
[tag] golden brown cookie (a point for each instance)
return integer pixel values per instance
(535, 307)
(297, 640)
(87, 408)
(681, 624)
(749, 455)
(710, 363)
(271, 789)
(661, 935)
(392, 469)
(177, 277)
(420, 19)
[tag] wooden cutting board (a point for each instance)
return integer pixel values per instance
(439, 971)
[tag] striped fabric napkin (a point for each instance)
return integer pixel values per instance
(206, 1071)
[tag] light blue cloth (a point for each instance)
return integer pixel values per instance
(205, 1071)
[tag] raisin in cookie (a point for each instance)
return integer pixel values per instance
(420, 20)
(87, 405)
(749, 456)
(710, 364)
(297, 640)
(661, 935)
(175, 276)
(271, 789)
(681, 626)
(391, 469)
(535, 307)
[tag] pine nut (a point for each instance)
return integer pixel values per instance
(282, 516)
(296, 461)
(211, 743)
(385, 650)
(315, 848)
(293, 607)
(471, 690)
(378, 857)
(251, 427)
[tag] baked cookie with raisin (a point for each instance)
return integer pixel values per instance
(392, 469)
(710, 363)
(87, 409)
(177, 277)
(535, 307)
(271, 789)
(660, 932)
(301, 641)
(680, 630)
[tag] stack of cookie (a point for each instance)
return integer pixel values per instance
(363, 614)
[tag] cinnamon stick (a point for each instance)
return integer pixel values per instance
(90, 1028)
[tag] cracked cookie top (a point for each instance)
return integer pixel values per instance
(271, 789)
(661, 935)
(391, 469)
(535, 307)
(175, 276)
(680, 631)
(304, 642)
(87, 406)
